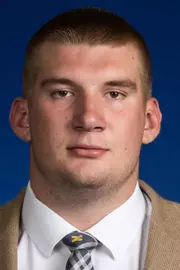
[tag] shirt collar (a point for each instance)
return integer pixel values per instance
(43, 225)
(119, 228)
(116, 231)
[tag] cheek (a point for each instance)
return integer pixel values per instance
(129, 126)
(48, 120)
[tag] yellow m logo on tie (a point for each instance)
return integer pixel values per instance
(76, 238)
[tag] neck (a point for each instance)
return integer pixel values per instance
(83, 208)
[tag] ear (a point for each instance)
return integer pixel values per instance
(19, 119)
(152, 122)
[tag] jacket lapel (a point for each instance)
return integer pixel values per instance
(9, 233)
(163, 251)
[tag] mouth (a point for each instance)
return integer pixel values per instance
(91, 151)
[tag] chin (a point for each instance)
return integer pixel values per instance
(87, 180)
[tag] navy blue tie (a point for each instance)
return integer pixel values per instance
(81, 246)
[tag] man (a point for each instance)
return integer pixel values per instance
(86, 110)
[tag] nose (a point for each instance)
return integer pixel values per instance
(89, 114)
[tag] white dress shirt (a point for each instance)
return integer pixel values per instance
(123, 235)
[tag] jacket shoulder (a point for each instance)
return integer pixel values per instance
(10, 207)
(165, 213)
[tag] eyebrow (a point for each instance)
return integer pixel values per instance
(124, 83)
(52, 80)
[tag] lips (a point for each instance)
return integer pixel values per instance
(87, 146)
(87, 150)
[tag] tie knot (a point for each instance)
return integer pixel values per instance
(78, 240)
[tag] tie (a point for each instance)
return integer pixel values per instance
(80, 245)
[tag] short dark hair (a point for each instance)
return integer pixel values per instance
(93, 26)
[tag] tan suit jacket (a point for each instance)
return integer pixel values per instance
(164, 236)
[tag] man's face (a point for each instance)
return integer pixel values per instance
(87, 96)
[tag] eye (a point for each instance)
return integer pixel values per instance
(116, 94)
(61, 93)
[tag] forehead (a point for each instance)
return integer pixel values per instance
(98, 60)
